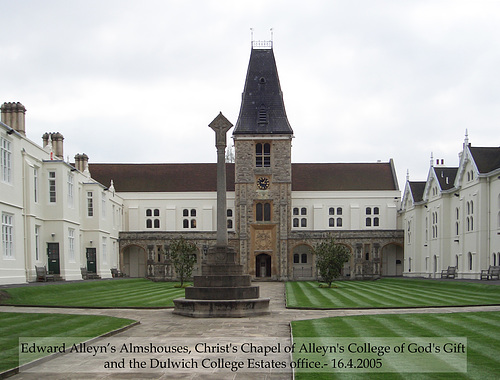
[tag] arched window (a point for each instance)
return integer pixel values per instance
(296, 258)
(375, 222)
(185, 223)
(368, 222)
(193, 212)
(157, 223)
(157, 212)
(339, 210)
(339, 222)
(331, 222)
(149, 212)
(295, 222)
(303, 211)
(149, 223)
(295, 211)
(303, 222)
(331, 211)
(303, 258)
(469, 255)
(375, 210)
(368, 211)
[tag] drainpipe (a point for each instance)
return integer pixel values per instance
(27, 263)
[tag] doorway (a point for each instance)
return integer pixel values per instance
(263, 265)
(91, 260)
(53, 257)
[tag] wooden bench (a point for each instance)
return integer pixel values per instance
(116, 273)
(449, 273)
(492, 273)
(42, 275)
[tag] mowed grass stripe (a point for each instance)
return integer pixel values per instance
(480, 328)
(106, 293)
(16, 325)
(390, 293)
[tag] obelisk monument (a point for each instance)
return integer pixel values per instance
(222, 290)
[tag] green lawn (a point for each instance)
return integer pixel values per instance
(390, 293)
(15, 325)
(480, 329)
(112, 293)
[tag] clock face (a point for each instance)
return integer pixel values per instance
(263, 183)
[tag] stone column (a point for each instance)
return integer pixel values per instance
(221, 125)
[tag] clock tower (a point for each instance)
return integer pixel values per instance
(263, 174)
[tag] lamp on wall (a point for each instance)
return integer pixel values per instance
(91, 242)
(53, 235)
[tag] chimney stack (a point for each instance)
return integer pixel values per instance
(82, 163)
(13, 116)
(56, 140)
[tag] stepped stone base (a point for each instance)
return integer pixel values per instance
(222, 291)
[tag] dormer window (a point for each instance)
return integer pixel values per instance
(262, 116)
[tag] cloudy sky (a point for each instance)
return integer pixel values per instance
(363, 80)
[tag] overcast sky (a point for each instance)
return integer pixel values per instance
(139, 81)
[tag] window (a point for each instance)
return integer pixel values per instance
(90, 203)
(35, 185)
(470, 216)
(263, 155)
(103, 205)
(470, 260)
(229, 214)
(70, 190)
(296, 258)
(8, 235)
(52, 187)
(434, 225)
(189, 220)
(262, 115)
(335, 211)
(372, 221)
(263, 212)
(295, 222)
(71, 244)
(150, 222)
(303, 222)
(408, 232)
(303, 258)
(6, 160)
(37, 243)
(105, 250)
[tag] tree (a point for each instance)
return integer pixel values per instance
(183, 255)
(330, 258)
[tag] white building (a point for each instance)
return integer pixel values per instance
(53, 213)
(453, 218)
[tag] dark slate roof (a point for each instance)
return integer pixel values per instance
(161, 177)
(487, 159)
(417, 190)
(262, 108)
(203, 177)
(343, 176)
(446, 177)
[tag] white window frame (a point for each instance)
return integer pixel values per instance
(6, 160)
(8, 235)
(71, 190)
(37, 243)
(36, 184)
(71, 244)
(52, 187)
(90, 204)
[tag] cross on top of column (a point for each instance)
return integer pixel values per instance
(220, 125)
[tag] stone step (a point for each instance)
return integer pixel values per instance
(222, 280)
(222, 293)
(222, 269)
(221, 308)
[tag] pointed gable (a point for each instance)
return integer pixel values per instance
(417, 191)
(446, 177)
(262, 108)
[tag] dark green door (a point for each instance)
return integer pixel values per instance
(53, 257)
(91, 260)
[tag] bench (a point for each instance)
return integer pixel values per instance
(42, 275)
(449, 273)
(492, 273)
(116, 273)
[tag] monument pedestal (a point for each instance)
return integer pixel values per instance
(222, 290)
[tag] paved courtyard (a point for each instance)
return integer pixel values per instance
(163, 326)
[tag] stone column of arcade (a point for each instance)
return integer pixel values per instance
(222, 290)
